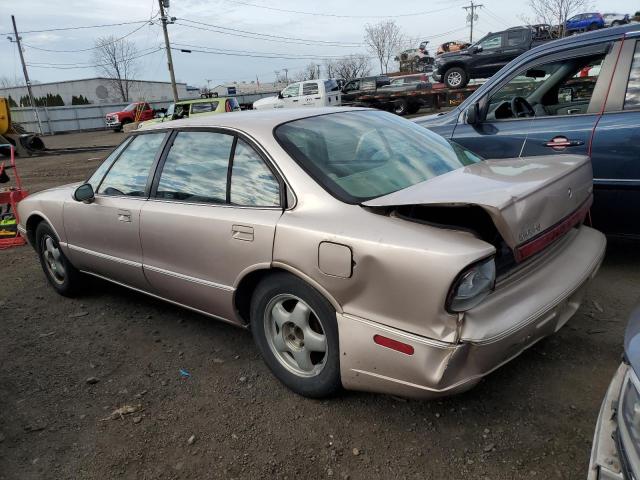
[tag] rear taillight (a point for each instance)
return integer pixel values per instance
(472, 286)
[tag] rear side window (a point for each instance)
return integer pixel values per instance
(231, 105)
(204, 107)
(632, 97)
(331, 86)
(252, 183)
(196, 168)
(310, 88)
(515, 38)
(128, 176)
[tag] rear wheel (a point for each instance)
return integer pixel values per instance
(62, 276)
(296, 332)
(592, 27)
(401, 107)
(413, 108)
(456, 77)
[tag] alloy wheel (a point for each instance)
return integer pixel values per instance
(295, 335)
(53, 259)
(454, 79)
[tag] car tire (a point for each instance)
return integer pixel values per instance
(61, 274)
(615, 23)
(456, 77)
(413, 108)
(592, 27)
(291, 324)
(401, 107)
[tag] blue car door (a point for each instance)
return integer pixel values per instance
(615, 150)
(559, 99)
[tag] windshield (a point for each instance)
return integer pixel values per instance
(361, 155)
(131, 107)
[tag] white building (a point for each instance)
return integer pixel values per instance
(247, 88)
(101, 91)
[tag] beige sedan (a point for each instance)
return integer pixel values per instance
(362, 250)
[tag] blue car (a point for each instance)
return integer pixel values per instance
(584, 22)
(578, 95)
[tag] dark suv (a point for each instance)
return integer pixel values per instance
(488, 55)
(359, 86)
(578, 95)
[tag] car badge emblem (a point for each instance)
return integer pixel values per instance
(570, 193)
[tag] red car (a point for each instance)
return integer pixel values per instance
(134, 112)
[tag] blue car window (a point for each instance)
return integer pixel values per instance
(632, 97)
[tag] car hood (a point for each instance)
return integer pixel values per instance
(525, 197)
(632, 341)
(265, 102)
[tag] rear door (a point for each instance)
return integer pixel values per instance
(615, 151)
(311, 95)
(211, 217)
(566, 102)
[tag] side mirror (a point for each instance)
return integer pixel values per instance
(473, 114)
(477, 49)
(84, 193)
(280, 95)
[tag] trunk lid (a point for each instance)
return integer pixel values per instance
(528, 199)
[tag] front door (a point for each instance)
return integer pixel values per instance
(211, 218)
(490, 58)
(291, 96)
(104, 236)
(557, 103)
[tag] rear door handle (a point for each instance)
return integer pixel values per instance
(560, 143)
(295, 100)
(242, 232)
(124, 216)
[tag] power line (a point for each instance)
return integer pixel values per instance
(78, 28)
(78, 66)
(90, 48)
(256, 35)
(252, 55)
(335, 15)
(228, 50)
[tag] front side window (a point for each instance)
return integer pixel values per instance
(94, 179)
(352, 86)
(494, 41)
(128, 175)
(562, 87)
(195, 169)
(361, 155)
(291, 91)
(632, 96)
(252, 183)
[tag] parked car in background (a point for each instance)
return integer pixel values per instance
(134, 112)
(360, 86)
(195, 107)
(616, 443)
(578, 95)
(406, 81)
(361, 249)
(584, 22)
(486, 56)
(615, 19)
(311, 93)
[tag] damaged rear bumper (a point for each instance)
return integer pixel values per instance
(512, 323)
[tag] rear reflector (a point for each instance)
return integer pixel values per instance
(547, 237)
(393, 344)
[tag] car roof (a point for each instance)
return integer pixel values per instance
(200, 100)
(612, 32)
(249, 120)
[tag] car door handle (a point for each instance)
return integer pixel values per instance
(242, 232)
(124, 216)
(295, 100)
(560, 143)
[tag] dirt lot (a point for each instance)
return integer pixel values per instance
(533, 418)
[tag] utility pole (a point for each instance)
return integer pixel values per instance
(472, 16)
(26, 74)
(167, 46)
(286, 77)
(318, 65)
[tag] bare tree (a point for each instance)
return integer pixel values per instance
(383, 39)
(556, 12)
(116, 60)
(348, 67)
(7, 82)
(310, 72)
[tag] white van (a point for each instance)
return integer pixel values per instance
(311, 93)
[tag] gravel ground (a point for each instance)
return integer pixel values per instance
(67, 364)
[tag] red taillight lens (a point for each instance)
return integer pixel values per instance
(393, 344)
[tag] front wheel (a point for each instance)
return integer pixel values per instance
(401, 107)
(456, 77)
(62, 276)
(296, 331)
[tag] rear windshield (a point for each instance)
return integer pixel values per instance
(331, 86)
(361, 155)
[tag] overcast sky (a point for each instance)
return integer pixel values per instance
(317, 36)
